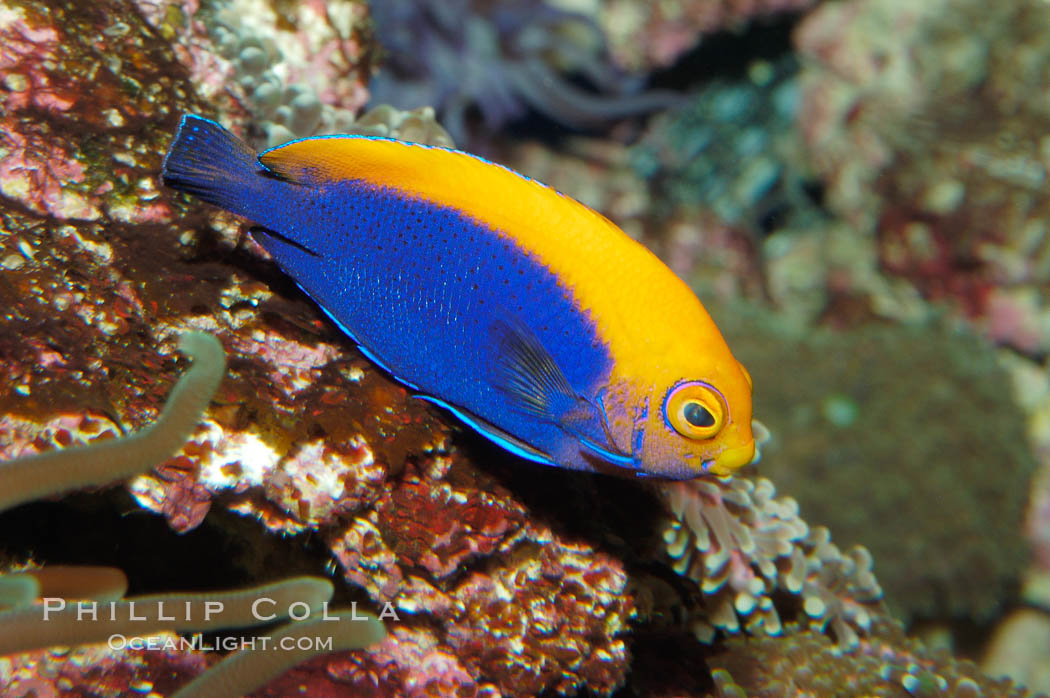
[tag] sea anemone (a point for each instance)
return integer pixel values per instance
(499, 59)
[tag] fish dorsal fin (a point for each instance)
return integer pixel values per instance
(489, 192)
(322, 159)
(421, 169)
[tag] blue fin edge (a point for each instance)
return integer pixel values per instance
(618, 459)
(492, 433)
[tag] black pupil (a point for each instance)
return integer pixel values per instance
(697, 415)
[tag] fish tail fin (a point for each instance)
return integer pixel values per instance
(209, 162)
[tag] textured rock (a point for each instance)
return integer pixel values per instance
(926, 122)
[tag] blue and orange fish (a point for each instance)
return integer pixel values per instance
(530, 317)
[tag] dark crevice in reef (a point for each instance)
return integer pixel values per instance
(728, 55)
(614, 514)
(724, 55)
(109, 528)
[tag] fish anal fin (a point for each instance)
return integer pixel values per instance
(493, 433)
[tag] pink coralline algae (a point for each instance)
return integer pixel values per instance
(546, 622)
(21, 437)
(54, 76)
(43, 177)
(97, 671)
(927, 123)
(349, 429)
(516, 602)
(27, 43)
(421, 669)
(459, 524)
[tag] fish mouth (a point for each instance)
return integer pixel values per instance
(732, 460)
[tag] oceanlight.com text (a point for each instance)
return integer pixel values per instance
(197, 642)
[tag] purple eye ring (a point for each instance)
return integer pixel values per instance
(695, 410)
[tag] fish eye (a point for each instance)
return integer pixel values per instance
(694, 410)
(696, 414)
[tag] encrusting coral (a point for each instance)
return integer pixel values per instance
(730, 152)
(887, 664)
(649, 35)
(105, 462)
(927, 124)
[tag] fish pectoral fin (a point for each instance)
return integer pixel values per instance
(527, 373)
(274, 237)
(492, 432)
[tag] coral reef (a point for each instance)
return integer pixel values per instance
(878, 445)
(96, 670)
(539, 597)
(1018, 649)
(101, 271)
(33, 622)
(886, 664)
(495, 60)
(300, 66)
(418, 126)
(1037, 530)
(644, 36)
(927, 126)
(724, 171)
(731, 150)
(246, 671)
(740, 545)
(60, 471)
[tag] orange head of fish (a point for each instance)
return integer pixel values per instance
(687, 424)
